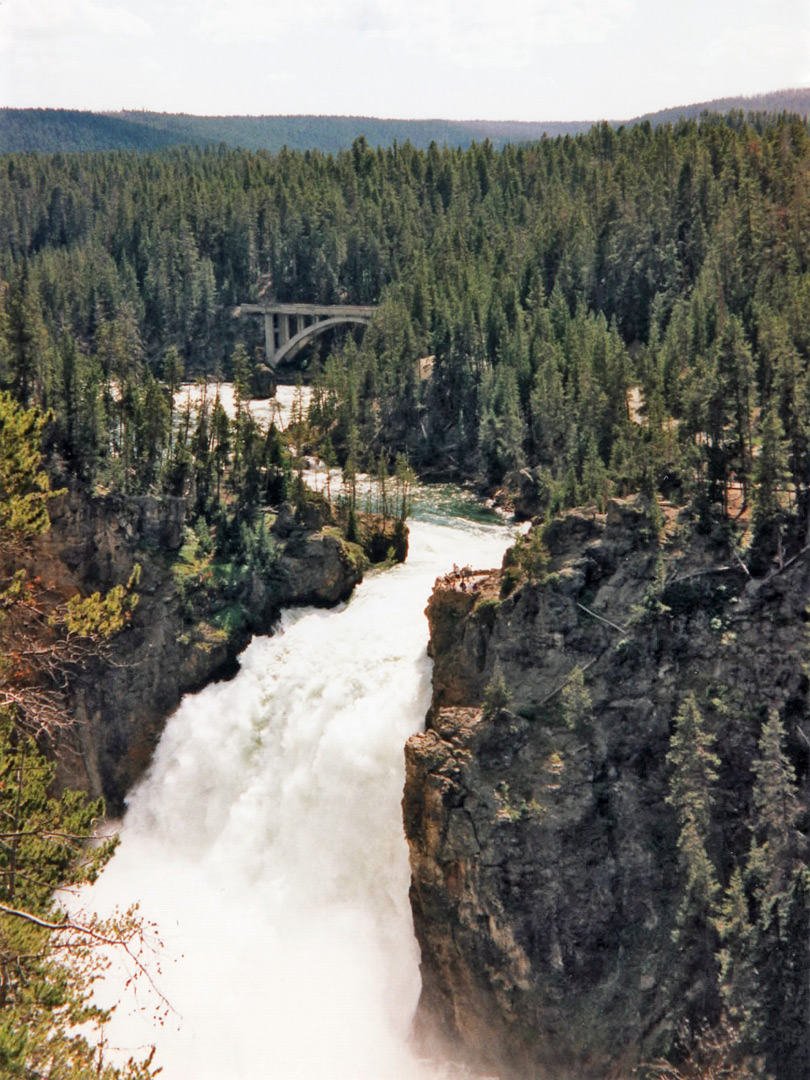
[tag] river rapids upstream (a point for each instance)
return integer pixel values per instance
(266, 844)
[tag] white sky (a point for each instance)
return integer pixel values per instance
(454, 59)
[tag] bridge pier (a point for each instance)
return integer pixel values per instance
(288, 327)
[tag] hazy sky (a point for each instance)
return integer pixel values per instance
(457, 59)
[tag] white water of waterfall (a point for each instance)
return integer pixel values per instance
(266, 842)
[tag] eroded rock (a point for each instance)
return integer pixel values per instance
(543, 852)
(187, 628)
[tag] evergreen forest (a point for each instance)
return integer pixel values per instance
(619, 311)
(65, 130)
(611, 310)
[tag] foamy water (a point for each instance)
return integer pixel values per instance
(278, 410)
(266, 842)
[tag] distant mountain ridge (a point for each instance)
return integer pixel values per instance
(52, 130)
(66, 130)
(796, 101)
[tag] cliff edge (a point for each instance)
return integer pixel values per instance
(544, 855)
(195, 614)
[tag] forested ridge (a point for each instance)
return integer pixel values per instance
(793, 101)
(52, 130)
(65, 130)
(548, 281)
(617, 312)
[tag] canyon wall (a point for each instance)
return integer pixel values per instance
(543, 852)
(193, 617)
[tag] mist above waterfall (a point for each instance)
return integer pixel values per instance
(266, 842)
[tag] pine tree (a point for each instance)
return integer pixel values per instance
(576, 701)
(48, 961)
(738, 978)
(770, 475)
(497, 695)
(735, 374)
(777, 880)
(775, 841)
(173, 377)
(693, 766)
(221, 440)
(153, 431)
(781, 1002)
(595, 483)
(350, 469)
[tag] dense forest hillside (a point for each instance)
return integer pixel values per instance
(331, 134)
(613, 313)
(606, 309)
(52, 130)
(795, 101)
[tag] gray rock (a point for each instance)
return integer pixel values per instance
(544, 859)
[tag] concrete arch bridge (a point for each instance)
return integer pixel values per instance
(289, 327)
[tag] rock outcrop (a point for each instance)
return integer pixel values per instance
(191, 621)
(543, 853)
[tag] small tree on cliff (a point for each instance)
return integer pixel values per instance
(576, 701)
(781, 960)
(497, 695)
(779, 882)
(776, 843)
(41, 638)
(737, 974)
(48, 961)
(765, 921)
(693, 766)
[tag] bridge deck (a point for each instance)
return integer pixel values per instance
(363, 310)
(288, 327)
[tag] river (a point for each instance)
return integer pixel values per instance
(266, 843)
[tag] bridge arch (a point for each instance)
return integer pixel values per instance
(284, 332)
(291, 347)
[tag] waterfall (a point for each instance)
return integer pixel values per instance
(266, 843)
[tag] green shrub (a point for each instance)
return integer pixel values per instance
(497, 695)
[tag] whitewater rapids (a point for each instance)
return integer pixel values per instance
(266, 843)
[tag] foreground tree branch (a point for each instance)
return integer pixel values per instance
(49, 960)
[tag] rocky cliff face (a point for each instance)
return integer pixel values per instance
(543, 853)
(191, 621)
